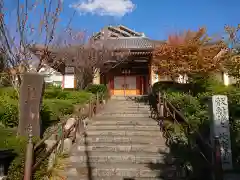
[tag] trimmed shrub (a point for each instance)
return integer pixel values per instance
(8, 92)
(54, 93)
(56, 108)
(8, 111)
(56, 103)
(96, 88)
(194, 107)
(78, 97)
(170, 86)
(195, 113)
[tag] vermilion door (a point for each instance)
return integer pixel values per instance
(131, 85)
(125, 85)
(118, 85)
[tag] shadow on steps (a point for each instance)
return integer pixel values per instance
(181, 164)
(89, 168)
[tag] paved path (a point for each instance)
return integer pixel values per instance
(121, 143)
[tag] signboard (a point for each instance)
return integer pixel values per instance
(69, 81)
(220, 128)
(31, 91)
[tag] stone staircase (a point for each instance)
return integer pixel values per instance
(120, 143)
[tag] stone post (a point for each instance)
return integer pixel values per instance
(30, 103)
(220, 129)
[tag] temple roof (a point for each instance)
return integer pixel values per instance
(131, 43)
(121, 37)
(113, 44)
(117, 31)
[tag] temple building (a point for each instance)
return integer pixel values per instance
(130, 72)
(116, 56)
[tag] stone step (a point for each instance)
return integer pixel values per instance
(121, 171)
(114, 172)
(123, 121)
(123, 139)
(129, 107)
(99, 117)
(141, 107)
(113, 178)
(115, 157)
(123, 113)
(130, 115)
(126, 103)
(111, 147)
(123, 127)
(126, 100)
(123, 133)
(127, 111)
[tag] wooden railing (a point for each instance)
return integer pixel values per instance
(60, 133)
(165, 111)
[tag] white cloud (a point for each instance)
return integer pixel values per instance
(117, 8)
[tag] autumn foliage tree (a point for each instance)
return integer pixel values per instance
(190, 53)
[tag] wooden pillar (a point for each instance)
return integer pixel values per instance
(149, 74)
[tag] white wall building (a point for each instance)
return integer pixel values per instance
(51, 75)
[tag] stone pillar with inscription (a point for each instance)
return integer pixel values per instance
(31, 92)
(220, 128)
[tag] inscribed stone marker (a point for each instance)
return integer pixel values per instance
(220, 128)
(30, 103)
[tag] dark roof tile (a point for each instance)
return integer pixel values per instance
(140, 43)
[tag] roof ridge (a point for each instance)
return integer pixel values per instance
(131, 37)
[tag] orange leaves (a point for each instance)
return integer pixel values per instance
(187, 53)
(175, 40)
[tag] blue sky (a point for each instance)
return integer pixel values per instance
(156, 18)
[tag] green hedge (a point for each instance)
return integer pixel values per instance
(8, 111)
(9, 92)
(96, 88)
(194, 107)
(56, 102)
(171, 86)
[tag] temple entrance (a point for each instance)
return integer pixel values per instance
(125, 85)
(130, 78)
